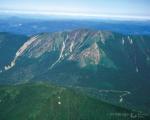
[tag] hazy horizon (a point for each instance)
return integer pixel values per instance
(115, 9)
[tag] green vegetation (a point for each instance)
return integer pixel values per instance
(9, 44)
(41, 101)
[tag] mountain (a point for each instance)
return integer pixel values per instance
(114, 64)
(40, 101)
(9, 44)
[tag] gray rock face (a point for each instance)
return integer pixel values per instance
(79, 45)
(114, 53)
(94, 59)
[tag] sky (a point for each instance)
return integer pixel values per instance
(123, 8)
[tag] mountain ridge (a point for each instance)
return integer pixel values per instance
(59, 45)
(86, 58)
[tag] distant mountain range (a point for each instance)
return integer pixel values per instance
(30, 25)
(114, 65)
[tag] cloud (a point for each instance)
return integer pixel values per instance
(78, 14)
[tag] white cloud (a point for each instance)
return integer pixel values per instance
(79, 14)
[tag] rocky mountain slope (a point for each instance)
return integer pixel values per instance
(85, 58)
(86, 49)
